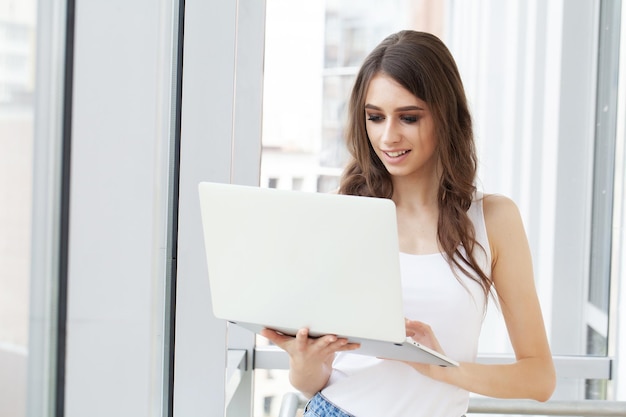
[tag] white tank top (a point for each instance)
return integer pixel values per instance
(369, 387)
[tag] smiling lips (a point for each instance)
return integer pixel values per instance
(396, 154)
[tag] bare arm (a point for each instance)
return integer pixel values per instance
(532, 375)
(310, 360)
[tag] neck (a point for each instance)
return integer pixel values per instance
(416, 192)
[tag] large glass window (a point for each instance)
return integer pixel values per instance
(17, 88)
(522, 69)
(313, 52)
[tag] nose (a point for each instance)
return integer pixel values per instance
(390, 133)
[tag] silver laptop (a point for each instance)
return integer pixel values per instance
(286, 260)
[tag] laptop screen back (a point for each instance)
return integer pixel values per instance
(288, 259)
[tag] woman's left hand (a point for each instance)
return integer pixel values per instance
(424, 335)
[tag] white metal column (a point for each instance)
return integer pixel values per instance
(119, 185)
(51, 25)
(617, 329)
(221, 142)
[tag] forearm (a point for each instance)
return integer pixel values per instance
(309, 379)
(310, 359)
(532, 378)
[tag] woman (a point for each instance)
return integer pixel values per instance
(410, 135)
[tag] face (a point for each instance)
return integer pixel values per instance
(400, 128)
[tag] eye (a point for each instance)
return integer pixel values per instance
(409, 118)
(374, 117)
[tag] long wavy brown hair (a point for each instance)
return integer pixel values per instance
(422, 64)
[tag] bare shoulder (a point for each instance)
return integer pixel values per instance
(505, 229)
(499, 209)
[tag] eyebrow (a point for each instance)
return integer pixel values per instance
(399, 109)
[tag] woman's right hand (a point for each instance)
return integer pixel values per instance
(310, 359)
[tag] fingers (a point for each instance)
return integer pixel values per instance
(417, 328)
(279, 339)
(268, 333)
(349, 346)
(416, 325)
(324, 345)
(332, 344)
(422, 333)
(302, 339)
(305, 345)
(409, 331)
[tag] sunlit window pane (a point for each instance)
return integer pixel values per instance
(17, 87)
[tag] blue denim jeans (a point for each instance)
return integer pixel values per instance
(319, 406)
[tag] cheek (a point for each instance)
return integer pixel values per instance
(428, 138)
(373, 149)
(372, 132)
